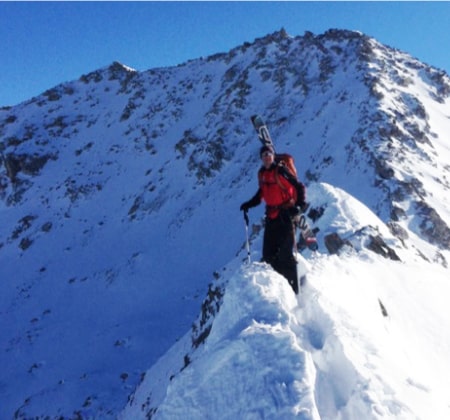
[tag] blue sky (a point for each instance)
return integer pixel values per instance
(47, 43)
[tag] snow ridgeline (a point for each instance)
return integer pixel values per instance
(362, 340)
(329, 354)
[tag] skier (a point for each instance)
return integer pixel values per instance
(284, 196)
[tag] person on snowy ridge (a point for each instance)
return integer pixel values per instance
(284, 196)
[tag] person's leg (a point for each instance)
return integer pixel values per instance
(283, 240)
(270, 244)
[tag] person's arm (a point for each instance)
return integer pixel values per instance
(253, 202)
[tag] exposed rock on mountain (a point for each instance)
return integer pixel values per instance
(109, 185)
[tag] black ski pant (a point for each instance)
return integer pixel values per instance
(279, 240)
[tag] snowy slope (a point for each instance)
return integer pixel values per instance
(329, 353)
(119, 197)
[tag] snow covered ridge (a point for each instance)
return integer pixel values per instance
(109, 185)
(324, 356)
(354, 344)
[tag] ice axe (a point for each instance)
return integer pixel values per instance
(247, 242)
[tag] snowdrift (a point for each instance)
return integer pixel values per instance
(329, 354)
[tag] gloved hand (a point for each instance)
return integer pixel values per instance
(303, 206)
(244, 207)
(295, 213)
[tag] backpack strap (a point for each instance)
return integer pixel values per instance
(277, 176)
(286, 174)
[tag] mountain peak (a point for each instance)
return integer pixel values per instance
(107, 184)
(115, 71)
(343, 34)
(115, 67)
(277, 36)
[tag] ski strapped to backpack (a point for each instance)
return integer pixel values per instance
(307, 238)
(262, 130)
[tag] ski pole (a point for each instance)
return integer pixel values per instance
(247, 242)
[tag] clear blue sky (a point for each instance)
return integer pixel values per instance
(47, 43)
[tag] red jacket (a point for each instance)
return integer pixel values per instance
(279, 190)
(276, 191)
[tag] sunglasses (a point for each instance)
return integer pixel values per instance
(265, 154)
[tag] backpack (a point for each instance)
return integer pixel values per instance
(286, 160)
